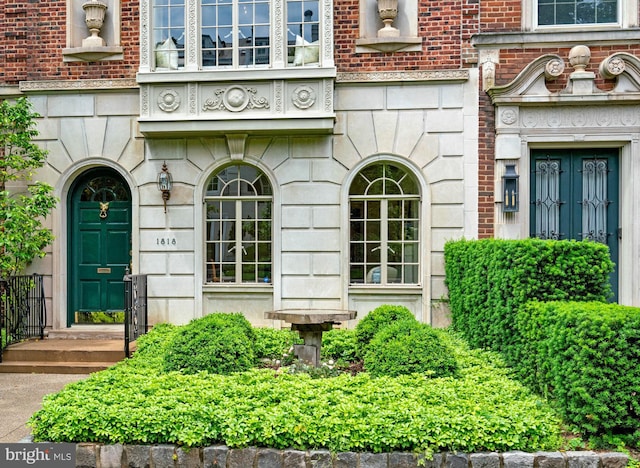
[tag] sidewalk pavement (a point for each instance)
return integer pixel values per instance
(21, 396)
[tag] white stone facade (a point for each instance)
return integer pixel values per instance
(428, 126)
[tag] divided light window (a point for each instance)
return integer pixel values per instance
(577, 12)
(236, 33)
(238, 240)
(384, 206)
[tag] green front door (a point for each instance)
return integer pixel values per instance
(99, 247)
(575, 195)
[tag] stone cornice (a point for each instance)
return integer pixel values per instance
(523, 40)
(390, 76)
(78, 85)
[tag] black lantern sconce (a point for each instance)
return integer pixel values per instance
(510, 189)
(165, 183)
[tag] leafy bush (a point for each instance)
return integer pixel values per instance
(217, 343)
(408, 347)
(490, 279)
(377, 319)
(340, 345)
(585, 355)
(272, 343)
(481, 410)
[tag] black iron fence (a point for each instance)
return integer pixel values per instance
(23, 312)
(135, 305)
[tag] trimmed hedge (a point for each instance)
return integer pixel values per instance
(380, 317)
(489, 279)
(408, 347)
(219, 343)
(587, 357)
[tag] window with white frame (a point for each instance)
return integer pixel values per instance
(238, 240)
(384, 206)
(577, 12)
(236, 34)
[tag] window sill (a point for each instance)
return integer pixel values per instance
(210, 75)
(237, 287)
(388, 44)
(364, 289)
(521, 40)
(92, 54)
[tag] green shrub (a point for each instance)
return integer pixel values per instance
(272, 343)
(489, 279)
(340, 345)
(586, 356)
(408, 347)
(481, 410)
(217, 343)
(377, 319)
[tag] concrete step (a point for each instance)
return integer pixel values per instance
(88, 332)
(55, 350)
(44, 367)
(62, 356)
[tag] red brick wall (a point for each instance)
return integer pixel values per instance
(445, 26)
(34, 35)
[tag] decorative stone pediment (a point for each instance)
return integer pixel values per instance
(529, 87)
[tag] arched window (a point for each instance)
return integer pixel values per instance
(384, 207)
(238, 241)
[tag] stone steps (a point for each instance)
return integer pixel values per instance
(66, 352)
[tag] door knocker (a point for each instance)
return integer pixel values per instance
(104, 207)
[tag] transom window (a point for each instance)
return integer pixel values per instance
(577, 12)
(236, 33)
(238, 242)
(384, 204)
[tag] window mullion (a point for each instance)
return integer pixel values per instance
(192, 31)
(235, 27)
(238, 241)
(384, 241)
(278, 35)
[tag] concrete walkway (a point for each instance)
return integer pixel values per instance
(21, 396)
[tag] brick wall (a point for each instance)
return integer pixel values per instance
(445, 26)
(34, 36)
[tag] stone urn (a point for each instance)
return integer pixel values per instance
(94, 19)
(388, 10)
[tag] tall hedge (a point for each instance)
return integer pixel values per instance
(488, 280)
(586, 356)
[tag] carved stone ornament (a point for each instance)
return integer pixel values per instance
(388, 10)
(304, 97)
(94, 18)
(236, 99)
(579, 57)
(509, 116)
(612, 66)
(554, 68)
(168, 100)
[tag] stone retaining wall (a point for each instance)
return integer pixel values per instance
(170, 456)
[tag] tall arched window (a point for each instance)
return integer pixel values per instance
(238, 241)
(384, 206)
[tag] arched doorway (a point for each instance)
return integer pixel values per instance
(99, 248)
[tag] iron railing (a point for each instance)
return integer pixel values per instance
(23, 312)
(135, 305)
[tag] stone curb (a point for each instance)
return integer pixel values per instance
(89, 455)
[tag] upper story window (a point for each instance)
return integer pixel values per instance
(384, 206)
(235, 34)
(577, 12)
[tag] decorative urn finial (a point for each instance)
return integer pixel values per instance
(94, 18)
(579, 57)
(388, 10)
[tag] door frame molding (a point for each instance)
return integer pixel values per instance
(60, 280)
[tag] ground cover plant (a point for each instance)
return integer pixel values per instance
(139, 401)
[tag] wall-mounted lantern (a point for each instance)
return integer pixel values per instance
(165, 183)
(510, 189)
